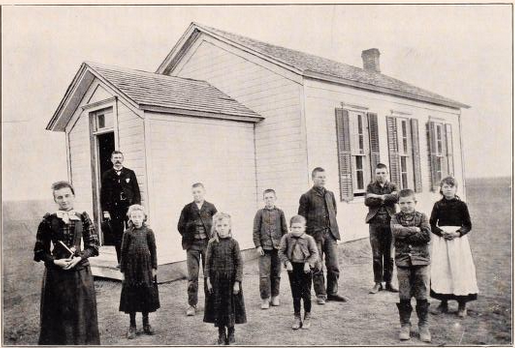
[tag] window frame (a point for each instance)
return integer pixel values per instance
(360, 148)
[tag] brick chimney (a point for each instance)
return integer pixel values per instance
(371, 60)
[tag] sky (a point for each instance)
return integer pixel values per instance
(463, 52)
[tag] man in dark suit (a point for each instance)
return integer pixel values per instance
(119, 191)
(195, 228)
(380, 199)
(318, 206)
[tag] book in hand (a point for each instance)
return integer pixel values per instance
(63, 252)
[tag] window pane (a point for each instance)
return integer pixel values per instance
(404, 134)
(359, 162)
(404, 180)
(360, 140)
(360, 124)
(101, 121)
(360, 185)
(403, 164)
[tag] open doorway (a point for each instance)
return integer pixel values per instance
(105, 146)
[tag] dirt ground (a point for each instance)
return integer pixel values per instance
(365, 320)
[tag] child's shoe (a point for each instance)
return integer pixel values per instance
(146, 326)
(462, 310)
(265, 304)
(404, 315)
(306, 324)
(275, 301)
(221, 336)
(131, 334)
(321, 300)
(442, 308)
(297, 323)
(148, 329)
(423, 324)
(190, 311)
(230, 338)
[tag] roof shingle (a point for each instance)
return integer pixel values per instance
(309, 63)
(148, 88)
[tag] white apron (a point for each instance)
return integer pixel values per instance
(452, 266)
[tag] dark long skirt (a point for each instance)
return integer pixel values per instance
(223, 308)
(139, 298)
(68, 308)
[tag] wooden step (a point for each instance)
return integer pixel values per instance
(104, 266)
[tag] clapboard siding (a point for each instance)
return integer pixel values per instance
(132, 144)
(80, 164)
(321, 99)
(220, 154)
(280, 154)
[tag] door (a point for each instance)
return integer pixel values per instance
(105, 147)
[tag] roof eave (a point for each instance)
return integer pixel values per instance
(377, 89)
(55, 117)
(167, 65)
(79, 76)
(248, 117)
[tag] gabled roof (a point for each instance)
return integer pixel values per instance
(313, 66)
(151, 91)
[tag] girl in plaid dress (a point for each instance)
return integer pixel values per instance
(138, 263)
(224, 271)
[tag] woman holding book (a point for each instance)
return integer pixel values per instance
(68, 301)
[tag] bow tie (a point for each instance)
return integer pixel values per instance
(66, 216)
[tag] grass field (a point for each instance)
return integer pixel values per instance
(366, 320)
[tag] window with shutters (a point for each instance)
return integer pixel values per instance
(358, 151)
(403, 151)
(441, 159)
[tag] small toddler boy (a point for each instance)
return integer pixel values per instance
(299, 253)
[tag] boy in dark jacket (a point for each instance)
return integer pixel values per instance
(269, 227)
(412, 235)
(299, 253)
(195, 228)
(381, 199)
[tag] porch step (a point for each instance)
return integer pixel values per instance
(104, 266)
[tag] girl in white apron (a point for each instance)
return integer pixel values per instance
(453, 274)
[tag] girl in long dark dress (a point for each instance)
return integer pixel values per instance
(138, 263)
(224, 271)
(453, 273)
(68, 301)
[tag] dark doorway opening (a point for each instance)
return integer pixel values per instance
(106, 146)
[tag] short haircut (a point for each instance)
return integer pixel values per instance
(406, 193)
(218, 217)
(317, 170)
(198, 184)
(62, 184)
(116, 152)
(381, 166)
(449, 181)
(298, 219)
(136, 207)
(269, 191)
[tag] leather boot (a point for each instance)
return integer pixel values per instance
(423, 324)
(297, 323)
(221, 336)
(404, 316)
(306, 324)
(230, 338)
(146, 325)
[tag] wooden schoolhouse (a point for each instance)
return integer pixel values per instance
(241, 116)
